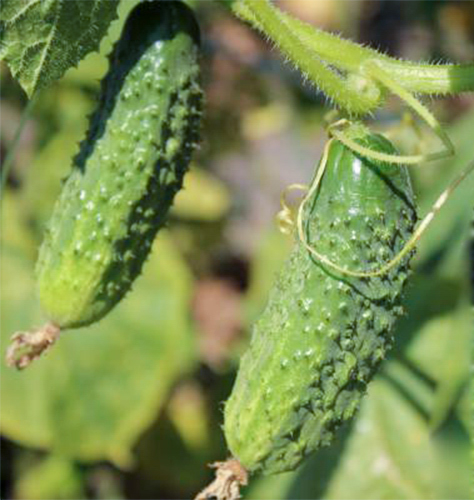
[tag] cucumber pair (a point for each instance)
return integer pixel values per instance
(323, 332)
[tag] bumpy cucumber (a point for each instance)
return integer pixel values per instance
(323, 334)
(128, 169)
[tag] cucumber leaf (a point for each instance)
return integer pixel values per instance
(41, 39)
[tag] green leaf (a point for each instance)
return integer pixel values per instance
(435, 337)
(391, 454)
(41, 39)
(100, 387)
(94, 66)
(441, 350)
(388, 455)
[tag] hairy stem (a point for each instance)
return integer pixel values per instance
(273, 24)
(315, 52)
(348, 56)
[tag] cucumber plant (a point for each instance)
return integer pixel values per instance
(125, 176)
(328, 321)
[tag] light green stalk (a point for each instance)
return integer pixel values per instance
(317, 53)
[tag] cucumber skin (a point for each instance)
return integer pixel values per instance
(128, 168)
(322, 336)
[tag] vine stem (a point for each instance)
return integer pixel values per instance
(414, 77)
(268, 19)
(303, 43)
(8, 163)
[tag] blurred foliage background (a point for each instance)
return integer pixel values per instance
(132, 406)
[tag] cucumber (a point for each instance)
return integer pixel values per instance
(322, 334)
(128, 168)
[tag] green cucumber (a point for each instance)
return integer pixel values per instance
(128, 169)
(323, 334)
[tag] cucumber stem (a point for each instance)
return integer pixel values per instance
(25, 347)
(270, 20)
(317, 54)
(230, 476)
